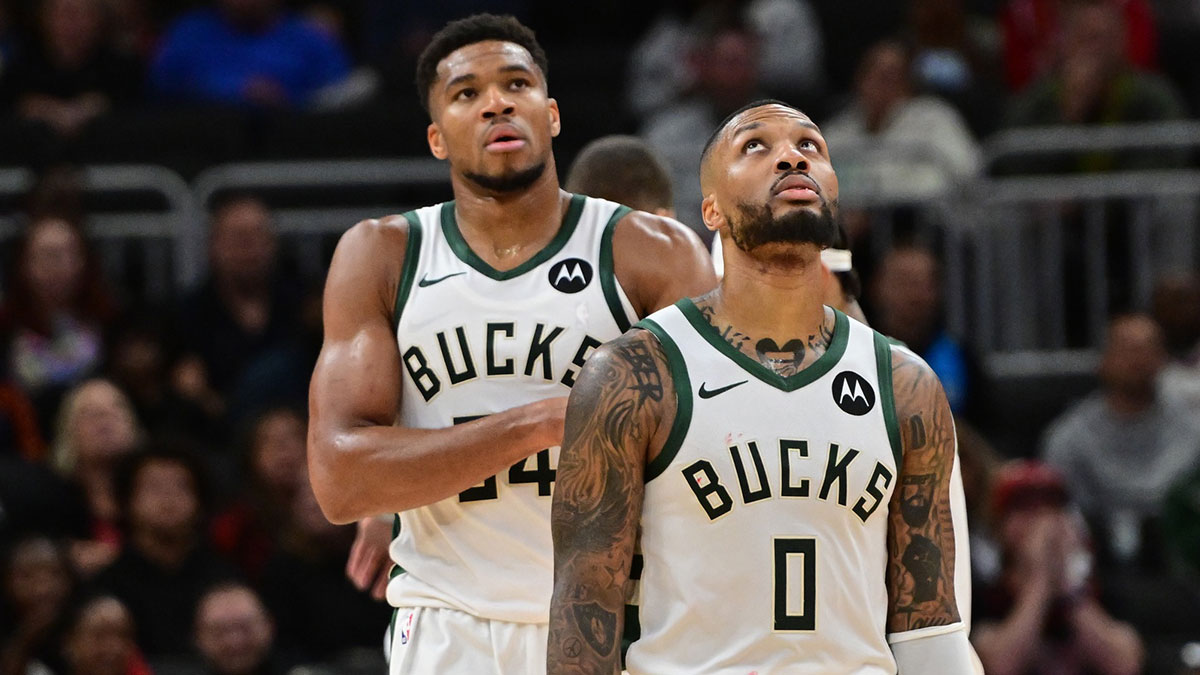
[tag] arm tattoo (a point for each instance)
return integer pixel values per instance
(615, 411)
(920, 532)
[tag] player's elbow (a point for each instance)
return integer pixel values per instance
(329, 469)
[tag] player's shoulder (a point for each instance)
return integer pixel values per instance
(906, 364)
(914, 382)
(378, 237)
(635, 351)
(660, 259)
(641, 229)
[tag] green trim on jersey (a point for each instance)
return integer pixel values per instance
(825, 363)
(463, 250)
(683, 401)
(887, 397)
(412, 252)
(608, 278)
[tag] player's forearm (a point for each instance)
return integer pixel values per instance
(587, 615)
(361, 471)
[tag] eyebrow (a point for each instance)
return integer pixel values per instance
(459, 80)
(755, 125)
(744, 128)
(467, 77)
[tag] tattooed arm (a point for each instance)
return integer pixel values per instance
(617, 409)
(924, 628)
(920, 531)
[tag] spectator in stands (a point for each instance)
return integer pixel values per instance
(234, 633)
(36, 582)
(330, 616)
(96, 430)
(246, 52)
(907, 305)
(623, 169)
(727, 75)
(166, 564)
(247, 531)
(1176, 308)
(1033, 29)
(99, 640)
(790, 58)
(1093, 82)
(55, 312)
(950, 60)
(72, 71)
(240, 311)
(896, 137)
(1122, 447)
(279, 376)
(1043, 615)
(979, 463)
(139, 359)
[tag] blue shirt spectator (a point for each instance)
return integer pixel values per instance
(906, 295)
(271, 59)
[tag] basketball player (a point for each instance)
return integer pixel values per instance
(789, 468)
(453, 333)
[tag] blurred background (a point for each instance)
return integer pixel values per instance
(1020, 184)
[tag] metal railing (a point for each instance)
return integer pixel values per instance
(160, 234)
(1023, 254)
(307, 226)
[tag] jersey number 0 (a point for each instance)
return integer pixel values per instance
(795, 584)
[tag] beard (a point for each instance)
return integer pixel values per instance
(757, 226)
(510, 182)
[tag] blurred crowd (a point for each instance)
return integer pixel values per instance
(155, 512)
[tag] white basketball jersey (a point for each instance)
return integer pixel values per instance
(475, 341)
(764, 526)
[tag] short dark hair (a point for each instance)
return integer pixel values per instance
(623, 169)
(476, 28)
(729, 118)
(177, 450)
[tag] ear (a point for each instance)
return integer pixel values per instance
(710, 212)
(437, 145)
(555, 121)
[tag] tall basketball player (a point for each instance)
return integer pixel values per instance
(452, 335)
(789, 469)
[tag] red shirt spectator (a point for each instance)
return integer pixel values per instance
(1032, 30)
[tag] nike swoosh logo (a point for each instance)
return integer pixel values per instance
(425, 281)
(709, 393)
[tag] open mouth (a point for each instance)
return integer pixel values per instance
(796, 187)
(504, 139)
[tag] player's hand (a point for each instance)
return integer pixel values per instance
(369, 564)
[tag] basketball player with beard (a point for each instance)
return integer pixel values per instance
(453, 334)
(789, 469)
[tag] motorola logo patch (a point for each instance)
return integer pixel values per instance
(852, 393)
(571, 275)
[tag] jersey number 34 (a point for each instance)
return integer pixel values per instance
(541, 474)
